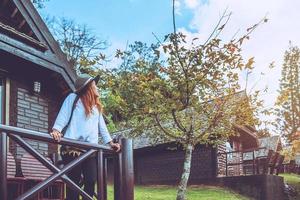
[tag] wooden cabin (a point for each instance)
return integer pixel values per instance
(162, 163)
(35, 76)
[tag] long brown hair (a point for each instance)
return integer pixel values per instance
(89, 100)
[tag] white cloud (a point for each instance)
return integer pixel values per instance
(192, 4)
(266, 44)
(177, 7)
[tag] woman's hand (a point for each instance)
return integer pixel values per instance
(115, 146)
(56, 135)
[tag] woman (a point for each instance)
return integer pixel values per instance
(82, 122)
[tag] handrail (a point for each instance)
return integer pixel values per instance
(123, 173)
(47, 138)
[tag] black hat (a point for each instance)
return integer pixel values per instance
(83, 80)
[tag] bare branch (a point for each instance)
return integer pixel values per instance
(163, 129)
(157, 38)
(251, 29)
(218, 25)
(179, 125)
(77, 41)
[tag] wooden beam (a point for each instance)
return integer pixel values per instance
(12, 32)
(46, 59)
(14, 13)
(42, 32)
(30, 21)
(29, 53)
(22, 24)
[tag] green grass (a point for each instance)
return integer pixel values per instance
(169, 193)
(293, 180)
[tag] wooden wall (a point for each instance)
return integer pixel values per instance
(163, 164)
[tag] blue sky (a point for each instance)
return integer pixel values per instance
(120, 21)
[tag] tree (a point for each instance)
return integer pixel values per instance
(288, 154)
(39, 3)
(292, 150)
(83, 50)
(82, 47)
(183, 91)
(288, 101)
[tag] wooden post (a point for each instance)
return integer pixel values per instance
(105, 178)
(127, 170)
(3, 166)
(226, 171)
(100, 186)
(118, 176)
(253, 163)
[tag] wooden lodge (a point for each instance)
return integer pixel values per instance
(35, 76)
(244, 163)
(163, 163)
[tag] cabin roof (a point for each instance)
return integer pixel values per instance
(246, 135)
(271, 143)
(23, 33)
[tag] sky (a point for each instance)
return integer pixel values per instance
(122, 22)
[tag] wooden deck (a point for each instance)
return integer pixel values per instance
(249, 162)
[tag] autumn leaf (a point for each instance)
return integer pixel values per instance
(249, 63)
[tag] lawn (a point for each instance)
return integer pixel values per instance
(293, 180)
(169, 193)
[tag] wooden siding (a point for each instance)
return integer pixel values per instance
(163, 164)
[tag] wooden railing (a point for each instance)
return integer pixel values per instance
(123, 164)
(237, 159)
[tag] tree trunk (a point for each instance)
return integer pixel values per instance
(181, 193)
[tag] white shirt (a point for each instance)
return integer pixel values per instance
(81, 128)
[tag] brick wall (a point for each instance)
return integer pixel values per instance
(32, 114)
(33, 111)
